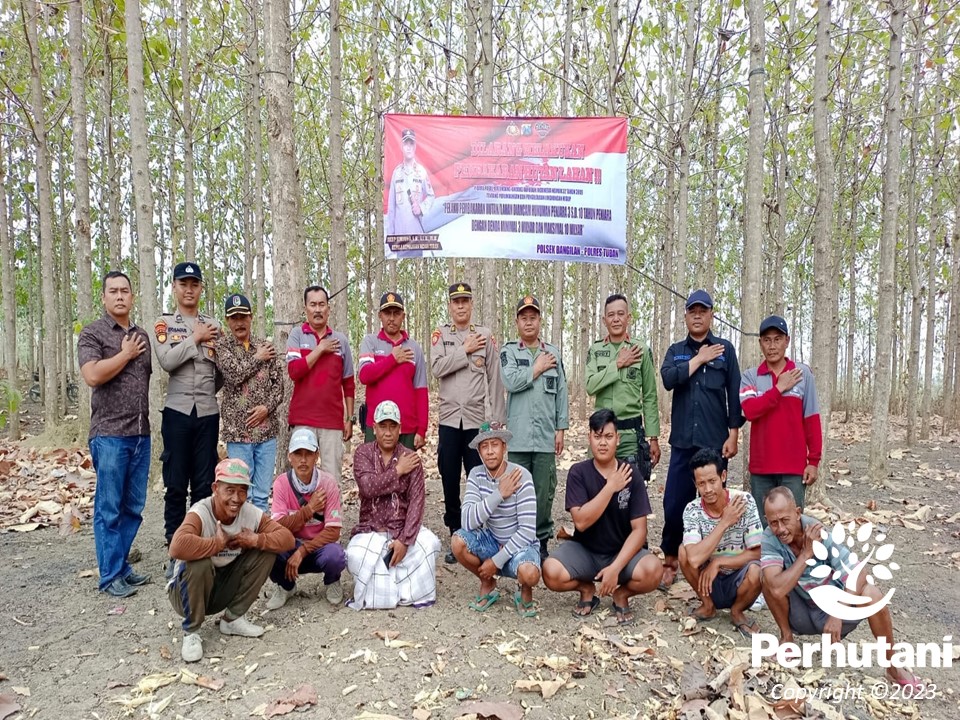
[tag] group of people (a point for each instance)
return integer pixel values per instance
(503, 413)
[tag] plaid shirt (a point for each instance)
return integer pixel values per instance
(247, 382)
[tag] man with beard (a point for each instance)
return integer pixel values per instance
(224, 551)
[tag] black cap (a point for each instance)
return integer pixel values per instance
(408, 134)
(187, 270)
(774, 322)
(391, 300)
(459, 290)
(237, 304)
(528, 301)
(700, 297)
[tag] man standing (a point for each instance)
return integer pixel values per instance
(392, 366)
(536, 409)
(703, 372)
(306, 501)
(411, 194)
(609, 507)
(392, 557)
(499, 533)
(184, 344)
(114, 360)
(779, 398)
(252, 392)
(720, 555)
(224, 551)
(463, 357)
(320, 364)
(621, 375)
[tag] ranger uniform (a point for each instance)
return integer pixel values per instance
(471, 393)
(536, 410)
(631, 392)
(191, 417)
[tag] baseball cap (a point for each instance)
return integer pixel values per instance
(408, 134)
(774, 322)
(387, 410)
(232, 471)
(700, 297)
(237, 304)
(528, 301)
(303, 439)
(187, 270)
(459, 290)
(391, 299)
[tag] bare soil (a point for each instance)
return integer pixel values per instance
(67, 651)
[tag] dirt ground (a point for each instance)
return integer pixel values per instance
(67, 651)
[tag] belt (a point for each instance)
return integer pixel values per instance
(635, 423)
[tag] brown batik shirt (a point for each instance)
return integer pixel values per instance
(248, 382)
(119, 407)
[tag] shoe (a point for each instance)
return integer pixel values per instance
(241, 626)
(279, 598)
(119, 588)
(192, 648)
(544, 553)
(759, 604)
(134, 556)
(168, 570)
(335, 593)
(136, 579)
(450, 558)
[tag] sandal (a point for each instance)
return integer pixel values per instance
(621, 614)
(746, 629)
(488, 601)
(591, 603)
(524, 609)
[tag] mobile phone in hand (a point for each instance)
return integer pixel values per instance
(388, 558)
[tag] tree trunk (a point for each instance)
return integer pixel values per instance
(753, 232)
(951, 361)
(852, 236)
(283, 173)
(338, 237)
(489, 300)
(30, 10)
(252, 33)
(913, 270)
(9, 290)
(886, 298)
(109, 161)
(683, 140)
(560, 267)
(825, 283)
(186, 118)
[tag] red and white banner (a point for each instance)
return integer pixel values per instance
(530, 188)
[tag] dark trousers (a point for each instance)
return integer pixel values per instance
(406, 439)
(543, 467)
(328, 559)
(200, 589)
(454, 453)
(679, 491)
(189, 458)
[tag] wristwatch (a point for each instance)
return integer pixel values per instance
(653, 437)
(353, 419)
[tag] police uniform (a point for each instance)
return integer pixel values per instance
(536, 409)
(631, 393)
(409, 182)
(471, 393)
(191, 417)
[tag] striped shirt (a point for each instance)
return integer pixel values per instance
(513, 521)
(743, 535)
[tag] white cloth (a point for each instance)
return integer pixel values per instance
(413, 581)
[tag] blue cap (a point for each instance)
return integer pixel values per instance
(774, 322)
(700, 297)
(237, 304)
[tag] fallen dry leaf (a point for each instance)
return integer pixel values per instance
(386, 634)
(20, 690)
(165, 652)
(303, 695)
(421, 714)
(86, 573)
(118, 610)
(547, 688)
(489, 710)
(8, 705)
(190, 678)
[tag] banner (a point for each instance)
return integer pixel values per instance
(522, 188)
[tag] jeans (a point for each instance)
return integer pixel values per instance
(260, 458)
(122, 465)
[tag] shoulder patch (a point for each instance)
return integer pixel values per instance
(160, 330)
(435, 337)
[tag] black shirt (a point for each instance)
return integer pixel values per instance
(706, 406)
(608, 534)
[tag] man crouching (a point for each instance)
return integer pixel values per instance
(224, 551)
